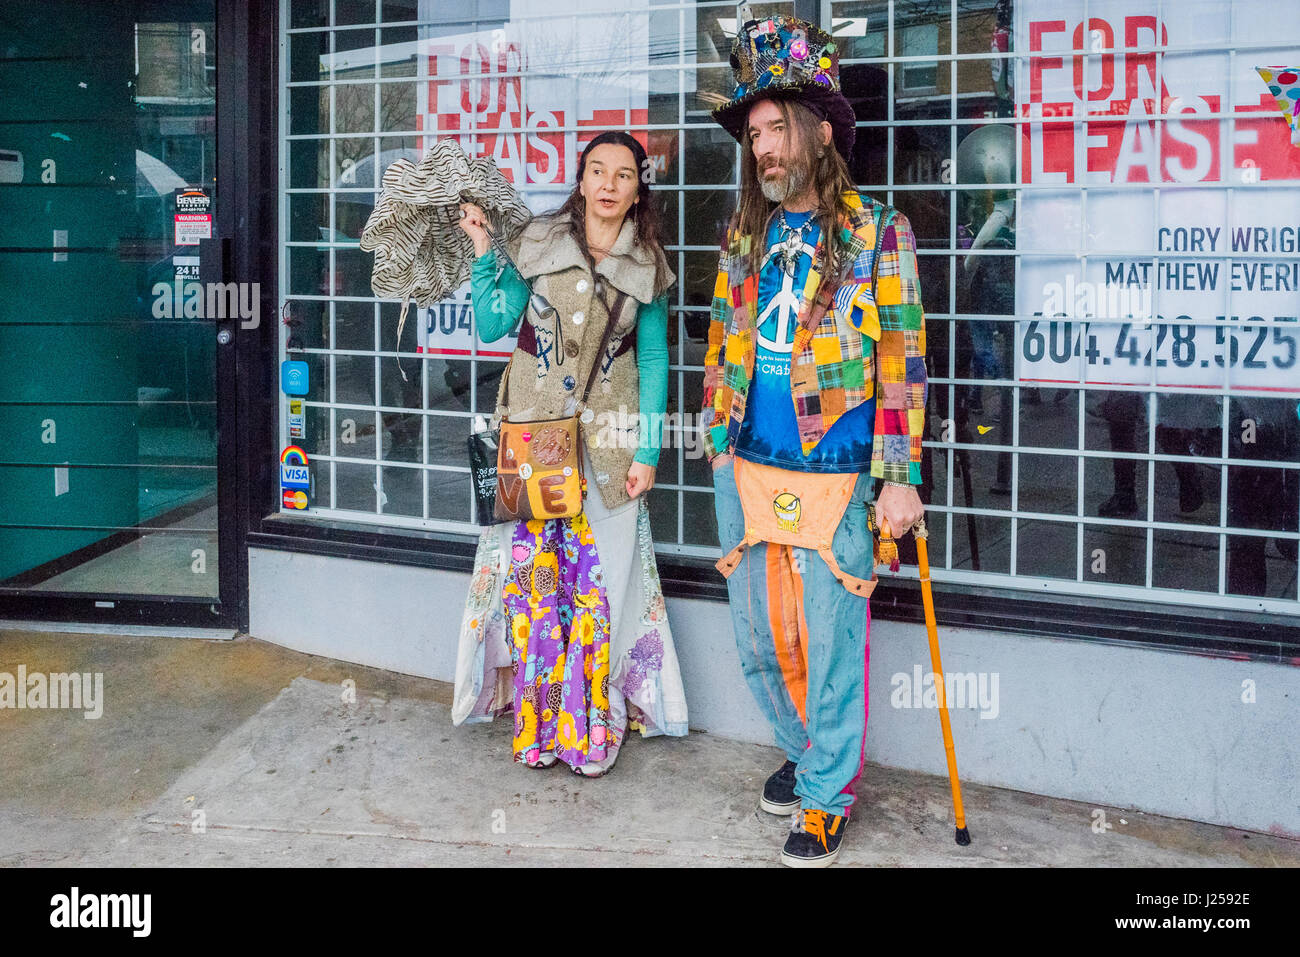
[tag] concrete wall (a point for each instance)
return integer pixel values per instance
(1128, 727)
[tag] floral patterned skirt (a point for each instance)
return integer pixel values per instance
(565, 625)
(558, 610)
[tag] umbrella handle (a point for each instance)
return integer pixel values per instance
(539, 303)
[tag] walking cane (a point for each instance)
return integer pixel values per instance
(887, 546)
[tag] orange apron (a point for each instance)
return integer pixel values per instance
(801, 509)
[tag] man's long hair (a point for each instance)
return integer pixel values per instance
(830, 180)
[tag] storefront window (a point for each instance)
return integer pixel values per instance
(1106, 214)
(109, 398)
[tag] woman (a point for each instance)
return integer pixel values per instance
(565, 622)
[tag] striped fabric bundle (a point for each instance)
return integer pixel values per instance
(421, 253)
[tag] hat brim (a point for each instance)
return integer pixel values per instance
(732, 116)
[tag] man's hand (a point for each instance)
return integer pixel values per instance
(640, 478)
(900, 508)
(719, 461)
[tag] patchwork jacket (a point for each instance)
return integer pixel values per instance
(862, 340)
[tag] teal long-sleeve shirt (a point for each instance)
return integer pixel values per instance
(499, 303)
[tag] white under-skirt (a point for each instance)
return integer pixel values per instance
(644, 673)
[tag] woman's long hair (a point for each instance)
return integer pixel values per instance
(830, 180)
(645, 214)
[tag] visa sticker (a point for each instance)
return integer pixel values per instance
(297, 420)
(295, 476)
(295, 471)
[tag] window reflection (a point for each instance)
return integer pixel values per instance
(1165, 495)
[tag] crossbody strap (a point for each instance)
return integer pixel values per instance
(613, 311)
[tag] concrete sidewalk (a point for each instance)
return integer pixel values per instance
(244, 753)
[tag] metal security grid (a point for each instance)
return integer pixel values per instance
(670, 54)
(944, 502)
(694, 497)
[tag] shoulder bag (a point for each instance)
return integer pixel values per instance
(539, 462)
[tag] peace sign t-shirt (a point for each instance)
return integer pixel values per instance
(769, 433)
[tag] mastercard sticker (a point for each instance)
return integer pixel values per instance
(294, 498)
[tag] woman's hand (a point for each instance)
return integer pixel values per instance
(473, 222)
(640, 478)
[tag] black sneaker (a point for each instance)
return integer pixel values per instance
(778, 793)
(814, 839)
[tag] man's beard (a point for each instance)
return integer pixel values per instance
(779, 189)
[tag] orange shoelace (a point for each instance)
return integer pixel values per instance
(813, 821)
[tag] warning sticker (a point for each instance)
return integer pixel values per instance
(191, 227)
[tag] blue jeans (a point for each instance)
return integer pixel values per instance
(804, 645)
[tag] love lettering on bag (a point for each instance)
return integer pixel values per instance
(539, 464)
(538, 473)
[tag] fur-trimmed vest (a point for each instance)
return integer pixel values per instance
(548, 372)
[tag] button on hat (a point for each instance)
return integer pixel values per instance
(786, 58)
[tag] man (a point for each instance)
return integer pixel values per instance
(814, 387)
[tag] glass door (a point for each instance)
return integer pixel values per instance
(109, 419)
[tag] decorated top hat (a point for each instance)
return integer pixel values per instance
(785, 58)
